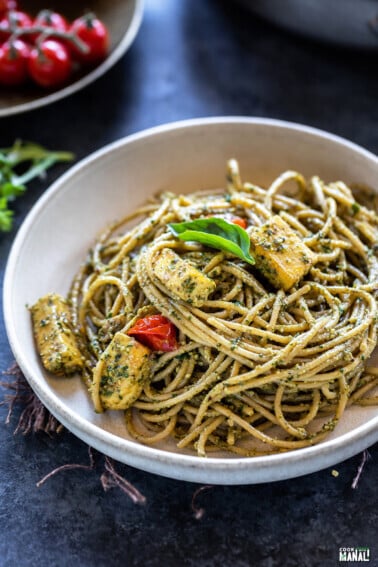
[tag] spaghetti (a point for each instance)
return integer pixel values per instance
(258, 367)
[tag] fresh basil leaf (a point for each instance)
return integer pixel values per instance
(216, 233)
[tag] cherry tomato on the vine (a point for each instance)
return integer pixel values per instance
(6, 5)
(95, 34)
(14, 62)
(47, 49)
(51, 19)
(50, 63)
(13, 18)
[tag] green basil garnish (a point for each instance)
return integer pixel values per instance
(216, 233)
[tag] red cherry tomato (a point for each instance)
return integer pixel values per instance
(21, 19)
(95, 35)
(14, 62)
(50, 64)
(52, 20)
(240, 222)
(156, 332)
(48, 18)
(6, 5)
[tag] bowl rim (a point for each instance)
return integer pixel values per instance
(90, 77)
(234, 470)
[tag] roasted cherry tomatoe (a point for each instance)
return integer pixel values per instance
(156, 332)
(239, 221)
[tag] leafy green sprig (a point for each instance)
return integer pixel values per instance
(20, 164)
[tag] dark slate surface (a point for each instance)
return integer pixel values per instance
(191, 59)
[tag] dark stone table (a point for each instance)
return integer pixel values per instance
(191, 58)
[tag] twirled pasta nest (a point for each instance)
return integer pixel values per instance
(258, 368)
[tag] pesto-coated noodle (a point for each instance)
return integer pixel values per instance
(259, 367)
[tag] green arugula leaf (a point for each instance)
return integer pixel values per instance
(216, 233)
(11, 190)
(20, 164)
(6, 216)
(29, 151)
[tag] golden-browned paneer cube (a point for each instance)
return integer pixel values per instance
(54, 336)
(126, 368)
(280, 254)
(182, 278)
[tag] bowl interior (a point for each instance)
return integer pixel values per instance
(187, 157)
(117, 15)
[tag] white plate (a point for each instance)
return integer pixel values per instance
(122, 18)
(181, 157)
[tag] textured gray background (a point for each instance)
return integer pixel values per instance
(191, 58)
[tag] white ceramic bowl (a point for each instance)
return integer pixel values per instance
(351, 23)
(181, 157)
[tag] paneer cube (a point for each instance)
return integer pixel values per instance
(280, 254)
(182, 279)
(54, 336)
(125, 370)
